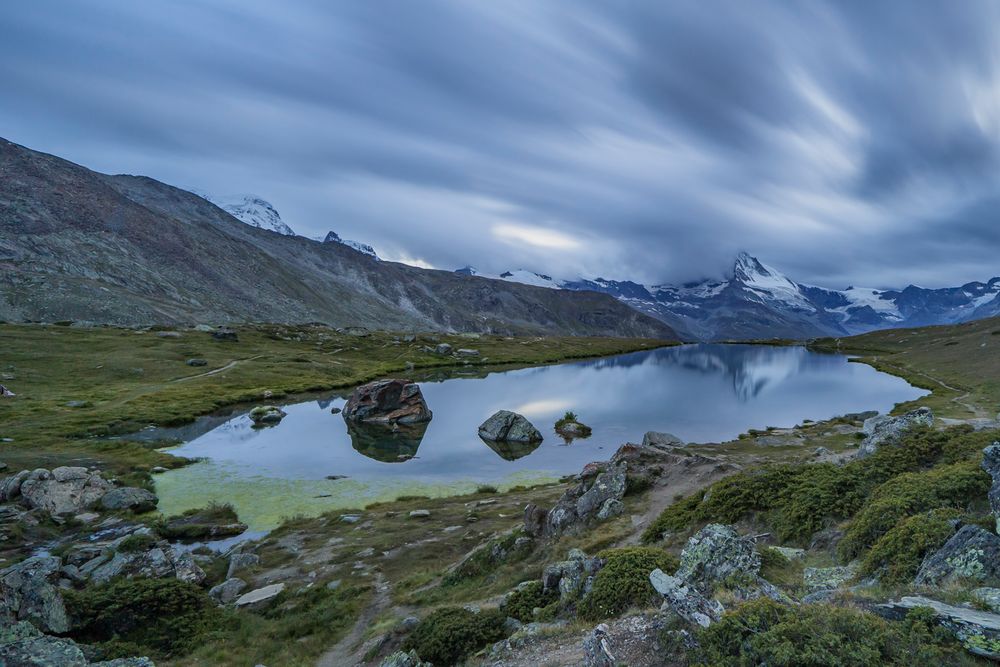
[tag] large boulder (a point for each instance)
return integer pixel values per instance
(972, 554)
(716, 553)
(593, 499)
(507, 426)
(130, 498)
(658, 439)
(387, 402)
(979, 631)
(10, 487)
(991, 464)
(572, 578)
(685, 600)
(64, 490)
(28, 593)
(883, 430)
(266, 415)
(22, 645)
(227, 591)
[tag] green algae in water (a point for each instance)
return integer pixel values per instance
(264, 502)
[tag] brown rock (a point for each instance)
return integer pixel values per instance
(387, 402)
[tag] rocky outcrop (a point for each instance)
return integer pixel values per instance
(507, 426)
(64, 490)
(404, 659)
(685, 600)
(387, 402)
(10, 487)
(28, 592)
(991, 464)
(260, 598)
(884, 430)
(979, 631)
(266, 415)
(828, 578)
(572, 578)
(22, 645)
(594, 498)
(635, 641)
(130, 498)
(972, 554)
(655, 438)
(227, 591)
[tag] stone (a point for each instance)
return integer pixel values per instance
(350, 518)
(420, 514)
(388, 402)
(240, 560)
(658, 439)
(442, 348)
(597, 498)
(886, 429)
(828, 578)
(991, 464)
(611, 508)
(335, 410)
(971, 554)
(227, 591)
(156, 562)
(685, 600)
(404, 659)
(260, 598)
(196, 362)
(636, 641)
(125, 662)
(10, 487)
(28, 593)
(204, 328)
(714, 554)
(185, 569)
(168, 334)
(266, 415)
(989, 597)
(6, 393)
(77, 404)
(597, 649)
(465, 352)
(791, 553)
(20, 647)
(130, 498)
(225, 334)
(573, 577)
(507, 426)
(66, 490)
(979, 631)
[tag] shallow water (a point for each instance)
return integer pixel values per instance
(701, 393)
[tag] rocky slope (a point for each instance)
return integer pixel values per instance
(79, 245)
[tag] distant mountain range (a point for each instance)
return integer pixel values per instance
(757, 301)
(79, 245)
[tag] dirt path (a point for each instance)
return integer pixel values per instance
(347, 652)
(231, 364)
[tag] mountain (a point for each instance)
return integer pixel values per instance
(80, 245)
(254, 211)
(757, 301)
(363, 248)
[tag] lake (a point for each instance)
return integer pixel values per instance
(701, 393)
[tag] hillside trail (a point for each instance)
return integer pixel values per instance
(349, 650)
(960, 399)
(231, 364)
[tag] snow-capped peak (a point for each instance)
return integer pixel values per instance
(468, 271)
(767, 282)
(363, 248)
(254, 211)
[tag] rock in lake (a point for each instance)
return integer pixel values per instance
(266, 415)
(130, 498)
(883, 430)
(387, 402)
(971, 554)
(507, 426)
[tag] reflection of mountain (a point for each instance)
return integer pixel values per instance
(389, 444)
(512, 451)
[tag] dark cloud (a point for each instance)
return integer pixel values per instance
(846, 143)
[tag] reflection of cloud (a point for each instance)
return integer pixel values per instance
(543, 407)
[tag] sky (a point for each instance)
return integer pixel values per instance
(846, 143)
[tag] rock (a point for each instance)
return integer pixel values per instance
(442, 348)
(685, 600)
(465, 352)
(979, 631)
(130, 498)
(387, 402)
(10, 487)
(168, 334)
(266, 415)
(636, 641)
(185, 569)
(401, 659)
(66, 490)
(3, 466)
(420, 514)
(988, 596)
(240, 560)
(125, 662)
(507, 426)
(23, 646)
(334, 411)
(196, 362)
(260, 598)
(714, 554)
(28, 593)
(821, 451)
(6, 393)
(573, 577)
(77, 404)
(991, 464)
(350, 518)
(596, 499)
(970, 554)
(157, 562)
(87, 517)
(791, 553)
(657, 439)
(227, 591)
(826, 578)
(204, 328)
(611, 508)
(884, 430)
(225, 334)
(597, 649)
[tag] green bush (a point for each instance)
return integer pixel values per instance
(522, 602)
(954, 485)
(897, 555)
(485, 559)
(797, 500)
(165, 617)
(199, 523)
(451, 634)
(623, 582)
(136, 543)
(763, 632)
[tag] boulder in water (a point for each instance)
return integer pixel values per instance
(266, 415)
(507, 426)
(392, 401)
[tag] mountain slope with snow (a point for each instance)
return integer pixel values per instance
(254, 211)
(363, 248)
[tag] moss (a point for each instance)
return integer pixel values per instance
(451, 634)
(765, 632)
(522, 602)
(897, 555)
(623, 582)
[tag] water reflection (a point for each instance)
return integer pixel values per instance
(511, 451)
(385, 442)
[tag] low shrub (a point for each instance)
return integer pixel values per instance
(451, 634)
(897, 555)
(763, 632)
(486, 489)
(136, 543)
(522, 602)
(194, 524)
(623, 582)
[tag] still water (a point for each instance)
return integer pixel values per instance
(701, 393)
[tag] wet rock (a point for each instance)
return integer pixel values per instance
(260, 598)
(197, 362)
(979, 631)
(225, 334)
(991, 464)
(828, 578)
(65, 490)
(387, 402)
(130, 498)
(228, 590)
(266, 415)
(884, 430)
(971, 554)
(658, 439)
(28, 593)
(507, 426)
(685, 600)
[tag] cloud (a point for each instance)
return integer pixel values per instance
(845, 143)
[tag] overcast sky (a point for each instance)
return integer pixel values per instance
(842, 142)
